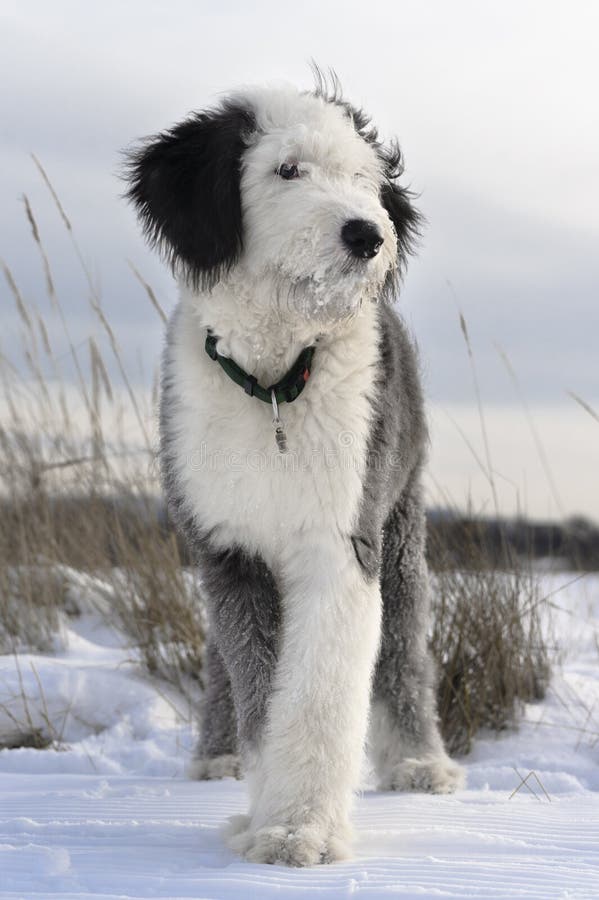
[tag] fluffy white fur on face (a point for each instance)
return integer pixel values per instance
(293, 228)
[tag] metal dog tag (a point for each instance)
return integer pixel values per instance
(280, 436)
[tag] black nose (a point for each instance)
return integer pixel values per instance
(362, 238)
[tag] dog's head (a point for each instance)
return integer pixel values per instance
(291, 187)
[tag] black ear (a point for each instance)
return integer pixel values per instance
(405, 217)
(184, 184)
(397, 200)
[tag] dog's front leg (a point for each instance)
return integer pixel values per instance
(317, 716)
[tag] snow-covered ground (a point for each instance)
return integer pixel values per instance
(107, 812)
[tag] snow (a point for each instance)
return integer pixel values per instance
(106, 811)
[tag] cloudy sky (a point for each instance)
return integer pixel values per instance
(495, 105)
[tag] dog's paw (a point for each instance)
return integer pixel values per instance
(430, 774)
(226, 766)
(285, 845)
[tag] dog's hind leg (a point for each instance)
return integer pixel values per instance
(216, 755)
(405, 742)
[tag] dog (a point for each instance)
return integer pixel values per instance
(292, 444)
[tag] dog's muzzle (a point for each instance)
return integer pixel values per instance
(362, 238)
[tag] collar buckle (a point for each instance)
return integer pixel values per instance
(249, 384)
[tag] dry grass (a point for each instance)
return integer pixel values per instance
(34, 728)
(76, 491)
(70, 497)
(44, 537)
(489, 643)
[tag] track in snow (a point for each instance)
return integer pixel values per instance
(81, 836)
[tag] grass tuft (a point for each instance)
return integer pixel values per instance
(490, 646)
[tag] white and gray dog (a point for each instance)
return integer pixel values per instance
(292, 442)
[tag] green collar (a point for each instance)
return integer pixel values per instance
(286, 390)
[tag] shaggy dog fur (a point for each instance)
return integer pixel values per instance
(285, 223)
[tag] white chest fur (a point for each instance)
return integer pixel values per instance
(226, 461)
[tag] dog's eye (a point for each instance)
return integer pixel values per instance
(288, 171)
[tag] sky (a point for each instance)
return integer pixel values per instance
(495, 107)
